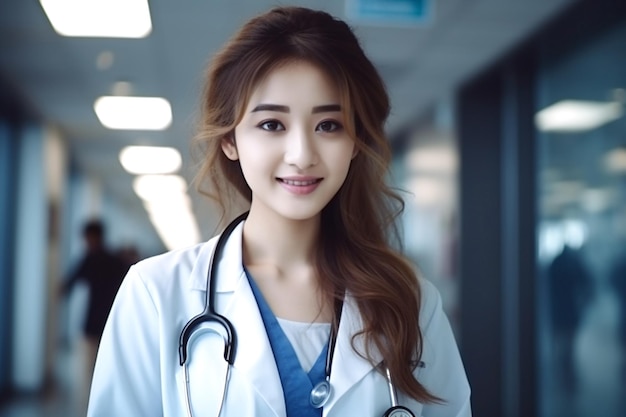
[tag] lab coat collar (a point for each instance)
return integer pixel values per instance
(233, 263)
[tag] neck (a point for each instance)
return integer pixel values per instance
(284, 243)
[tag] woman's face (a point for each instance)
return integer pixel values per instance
(291, 143)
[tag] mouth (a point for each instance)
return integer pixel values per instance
(299, 183)
(300, 186)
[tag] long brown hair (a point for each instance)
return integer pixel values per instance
(354, 254)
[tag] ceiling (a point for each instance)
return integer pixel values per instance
(59, 79)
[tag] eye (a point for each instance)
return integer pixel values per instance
(329, 126)
(271, 125)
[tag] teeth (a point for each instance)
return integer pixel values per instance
(299, 183)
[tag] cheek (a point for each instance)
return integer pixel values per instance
(342, 156)
(255, 163)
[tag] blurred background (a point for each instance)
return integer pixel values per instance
(509, 137)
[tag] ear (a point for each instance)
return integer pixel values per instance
(355, 152)
(230, 149)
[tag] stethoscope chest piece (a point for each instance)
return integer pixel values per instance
(320, 394)
(398, 411)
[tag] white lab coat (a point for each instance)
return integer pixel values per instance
(138, 374)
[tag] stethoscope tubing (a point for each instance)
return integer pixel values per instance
(188, 396)
(230, 338)
(208, 314)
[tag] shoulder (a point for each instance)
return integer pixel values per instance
(177, 266)
(430, 302)
(441, 370)
(438, 339)
(163, 288)
(173, 258)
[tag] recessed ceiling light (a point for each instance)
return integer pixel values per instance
(577, 115)
(134, 113)
(105, 60)
(122, 88)
(150, 160)
(99, 18)
(615, 161)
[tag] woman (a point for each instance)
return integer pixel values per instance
(292, 119)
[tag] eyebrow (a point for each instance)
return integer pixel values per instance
(271, 107)
(285, 109)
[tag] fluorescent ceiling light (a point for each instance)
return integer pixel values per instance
(177, 230)
(577, 115)
(169, 209)
(596, 200)
(159, 187)
(133, 113)
(430, 191)
(99, 18)
(432, 160)
(150, 160)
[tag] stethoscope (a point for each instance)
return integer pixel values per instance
(321, 392)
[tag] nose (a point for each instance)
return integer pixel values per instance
(300, 149)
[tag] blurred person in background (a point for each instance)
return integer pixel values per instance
(571, 287)
(102, 272)
(129, 254)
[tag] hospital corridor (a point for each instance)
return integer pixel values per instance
(507, 133)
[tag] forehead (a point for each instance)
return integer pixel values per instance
(296, 81)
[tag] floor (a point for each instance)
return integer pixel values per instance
(62, 399)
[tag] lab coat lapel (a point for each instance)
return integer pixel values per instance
(235, 300)
(348, 368)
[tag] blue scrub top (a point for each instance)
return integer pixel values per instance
(297, 384)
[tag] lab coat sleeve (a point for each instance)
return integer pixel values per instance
(127, 378)
(443, 374)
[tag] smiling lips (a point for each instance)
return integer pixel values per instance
(300, 186)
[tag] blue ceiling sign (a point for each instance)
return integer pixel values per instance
(389, 12)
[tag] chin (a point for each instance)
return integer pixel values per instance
(301, 214)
